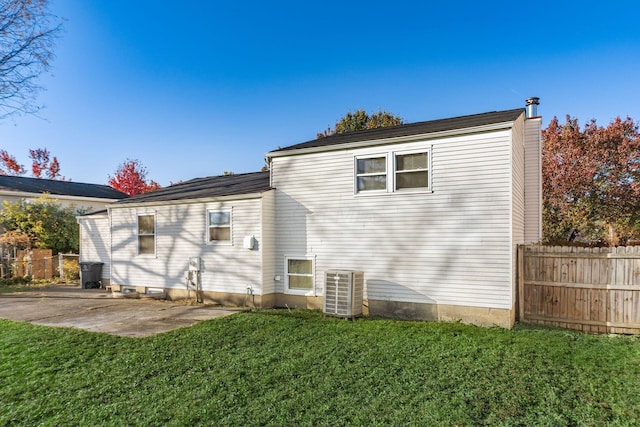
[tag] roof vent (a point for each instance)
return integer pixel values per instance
(532, 107)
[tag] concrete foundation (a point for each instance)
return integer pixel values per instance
(481, 316)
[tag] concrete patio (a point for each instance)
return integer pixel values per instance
(95, 310)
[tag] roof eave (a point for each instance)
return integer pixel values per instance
(394, 140)
(247, 196)
(57, 196)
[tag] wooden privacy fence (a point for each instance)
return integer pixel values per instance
(39, 264)
(589, 289)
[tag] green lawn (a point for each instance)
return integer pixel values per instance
(282, 367)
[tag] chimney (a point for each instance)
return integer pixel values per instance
(532, 107)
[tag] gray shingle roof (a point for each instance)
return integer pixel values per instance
(209, 187)
(58, 188)
(409, 129)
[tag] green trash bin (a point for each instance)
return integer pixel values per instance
(90, 274)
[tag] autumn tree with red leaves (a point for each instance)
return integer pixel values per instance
(43, 164)
(131, 179)
(591, 182)
(9, 165)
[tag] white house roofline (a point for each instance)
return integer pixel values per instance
(188, 201)
(385, 141)
(54, 196)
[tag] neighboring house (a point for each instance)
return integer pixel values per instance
(431, 212)
(90, 197)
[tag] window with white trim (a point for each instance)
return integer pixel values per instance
(219, 226)
(371, 173)
(299, 274)
(393, 172)
(147, 234)
(412, 170)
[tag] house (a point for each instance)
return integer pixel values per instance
(431, 212)
(90, 197)
(82, 196)
(146, 241)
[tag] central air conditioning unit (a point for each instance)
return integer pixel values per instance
(343, 293)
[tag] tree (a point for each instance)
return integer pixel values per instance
(9, 165)
(27, 33)
(47, 224)
(361, 120)
(43, 163)
(591, 181)
(131, 179)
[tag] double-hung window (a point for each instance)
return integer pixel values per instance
(146, 234)
(371, 173)
(392, 172)
(412, 170)
(299, 274)
(219, 226)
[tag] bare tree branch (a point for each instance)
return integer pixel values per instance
(28, 32)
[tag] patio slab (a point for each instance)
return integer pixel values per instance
(94, 310)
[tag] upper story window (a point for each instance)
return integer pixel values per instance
(408, 171)
(147, 234)
(412, 170)
(371, 173)
(219, 225)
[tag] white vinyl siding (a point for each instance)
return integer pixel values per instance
(449, 246)
(180, 232)
(533, 180)
(517, 197)
(518, 182)
(95, 241)
(267, 244)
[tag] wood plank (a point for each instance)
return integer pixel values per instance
(520, 278)
(583, 285)
(587, 255)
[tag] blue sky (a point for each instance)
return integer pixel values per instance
(196, 88)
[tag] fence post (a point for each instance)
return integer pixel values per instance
(520, 278)
(60, 265)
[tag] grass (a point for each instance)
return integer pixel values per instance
(22, 287)
(298, 368)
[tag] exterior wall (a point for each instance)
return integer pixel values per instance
(95, 242)
(268, 242)
(450, 247)
(517, 203)
(181, 229)
(533, 178)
